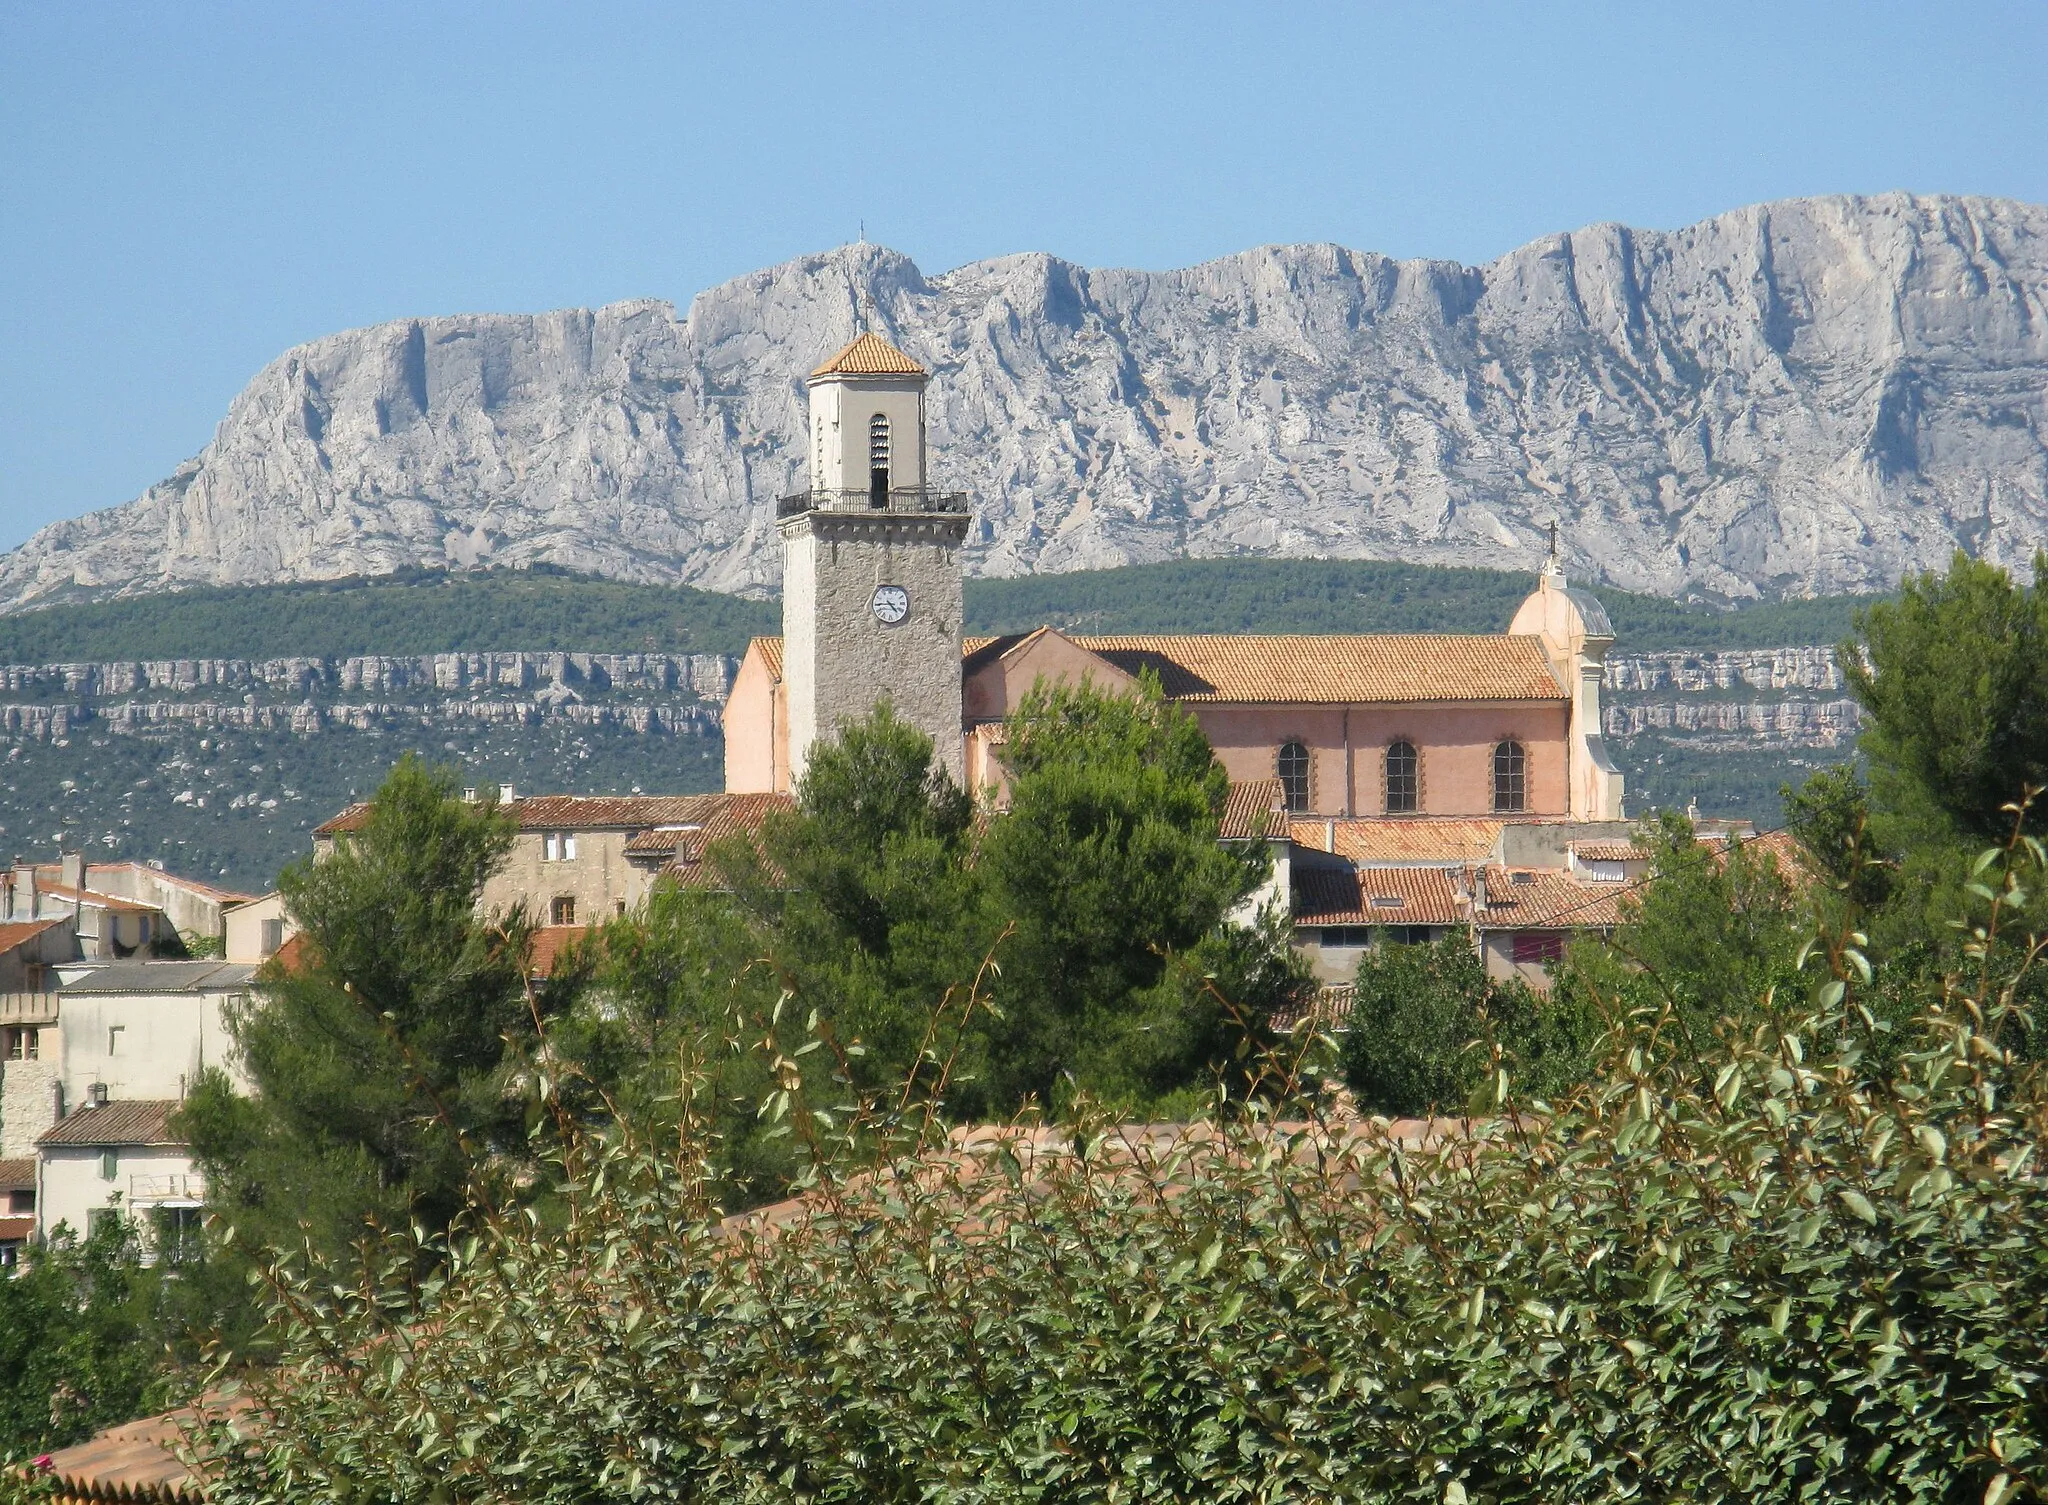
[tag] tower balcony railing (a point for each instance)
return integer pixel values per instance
(923, 499)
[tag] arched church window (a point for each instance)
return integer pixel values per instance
(878, 460)
(1403, 783)
(1510, 778)
(1293, 769)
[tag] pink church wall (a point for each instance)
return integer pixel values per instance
(1455, 744)
(756, 731)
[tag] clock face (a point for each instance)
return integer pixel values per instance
(892, 604)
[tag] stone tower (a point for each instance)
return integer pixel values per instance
(871, 602)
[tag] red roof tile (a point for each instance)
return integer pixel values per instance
(1381, 668)
(15, 932)
(550, 943)
(18, 1175)
(1253, 809)
(1609, 851)
(1376, 896)
(1417, 839)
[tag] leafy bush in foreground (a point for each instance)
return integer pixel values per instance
(1771, 1274)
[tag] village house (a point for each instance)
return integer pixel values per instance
(99, 1057)
(580, 860)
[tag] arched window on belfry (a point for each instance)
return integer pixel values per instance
(1292, 766)
(878, 461)
(1404, 782)
(1510, 778)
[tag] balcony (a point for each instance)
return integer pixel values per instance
(922, 500)
(180, 1188)
(28, 1009)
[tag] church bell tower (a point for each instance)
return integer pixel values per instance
(871, 576)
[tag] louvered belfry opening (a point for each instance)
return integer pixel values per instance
(878, 461)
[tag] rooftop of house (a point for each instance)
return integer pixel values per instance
(133, 1463)
(158, 875)
(575, 812)
(550, 943)
(131, 1122)
(18, 1175)
(91, 898)
(15, 932)
(203, 976)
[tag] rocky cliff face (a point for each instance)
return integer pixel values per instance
(1804, 397)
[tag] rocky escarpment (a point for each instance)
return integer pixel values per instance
(1803, 397)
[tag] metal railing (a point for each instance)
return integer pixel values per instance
(28, 1008)
(922, 499)
(178, 1186)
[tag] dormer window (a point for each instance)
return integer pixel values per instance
(878, 461)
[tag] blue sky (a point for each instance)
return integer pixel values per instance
(186, 190)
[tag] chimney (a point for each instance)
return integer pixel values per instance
(469, 795)
(71, 868)
(26, 873)
(96, 1095)
(1479, 894)
(1330, 836)
(506, 794)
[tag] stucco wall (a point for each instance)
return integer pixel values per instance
(599, 878)
(70, 1183)
(245, 928)
(841, 410)
(750, 720)
(165, 1041)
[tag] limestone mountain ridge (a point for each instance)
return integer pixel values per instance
(1806, 397)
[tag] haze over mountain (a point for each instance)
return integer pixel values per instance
(1797, 398)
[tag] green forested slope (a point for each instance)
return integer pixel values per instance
(415, 612)
(1273, 595)
(432, 612)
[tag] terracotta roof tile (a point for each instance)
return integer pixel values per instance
(1352, 669)
(1376, 896)
(575, 812)
(870, 355)
(1551, 899)
(1382, 668)
(1421, 840)
(17, 1175)
(1252, 810)
(135, 1122)
(771, 654)
(550, 943)
(718, 815)
(1608, 851)
(136, 1461)
(15, 1230)
(14, 933)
